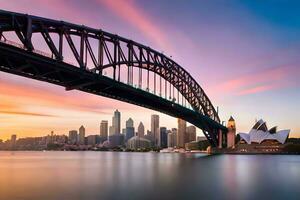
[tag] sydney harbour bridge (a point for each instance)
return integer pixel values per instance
(98, 62)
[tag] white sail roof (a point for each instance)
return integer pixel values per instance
(258, 135)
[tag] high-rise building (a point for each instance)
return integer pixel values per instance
(129, 123)
(141, 130)
(129, 129)
(191, 133)
(111, 130)
(73, 136)
(155, 129)
(172, 138)
(231, 132)
(13, 140)
(163, 142)
(116, 122)
(181, 132)
(91, 139)
(81, 135)
(104, 129)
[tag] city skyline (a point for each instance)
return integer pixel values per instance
(104, 126)
(258, 77)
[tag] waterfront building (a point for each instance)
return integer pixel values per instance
(181, 132)
(260, 134)
(172, 137)
(155, 128)
(260, 139)
(231, 132)
(73, 136)
(141, 130)
(137, 142)
(91, 140)
(104, 129)
(81, 135)
(191, 133)
(115, 140)
(194, 145)
(116, 122)
(163, 142)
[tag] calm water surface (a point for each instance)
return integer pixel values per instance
(108, 175)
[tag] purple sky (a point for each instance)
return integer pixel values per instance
(245, 55)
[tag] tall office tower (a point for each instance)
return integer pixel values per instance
(104, 129)
(129, 123)
(13, 140)
(73, 137)
(141, 130)
(174, 136)
(91, 140)
(191, 133)
(155, 129)
(163, 140)
(111, 130)
(129, 129)
(116, 122)
(170, 140)
(181, 133)
(81, 135)
(231, 132)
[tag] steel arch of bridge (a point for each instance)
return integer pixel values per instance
(113, 52)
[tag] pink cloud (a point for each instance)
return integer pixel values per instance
(57, 9)
(257, 89)
(135, 16)
(260, 81)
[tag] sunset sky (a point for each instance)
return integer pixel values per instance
(244, 54)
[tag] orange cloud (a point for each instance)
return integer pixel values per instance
(26, 113)
(134, 15)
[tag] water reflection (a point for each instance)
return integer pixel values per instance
(108, 175)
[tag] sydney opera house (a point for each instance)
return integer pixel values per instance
(261, 139)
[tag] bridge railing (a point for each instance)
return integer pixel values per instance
(36, 51)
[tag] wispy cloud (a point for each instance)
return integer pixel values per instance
(261, 80)
(137, 17)
(26, 113)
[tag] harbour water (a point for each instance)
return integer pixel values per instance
(120, 175)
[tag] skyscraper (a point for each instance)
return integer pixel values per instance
(13, 140)
(111, 130)
(163, 141)
(116, 122)
(129, 129)
(155, 129)
(129, 123)
(181, 132)
(104, 129)
(191, 133)
(73, 136)
(141, 130)
(81, 135)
